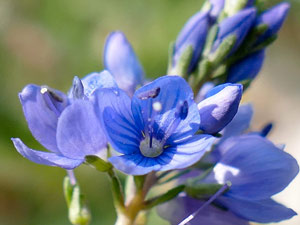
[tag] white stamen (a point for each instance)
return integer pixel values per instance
(216, 195)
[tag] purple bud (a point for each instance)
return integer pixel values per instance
(247, 68)
(216, 8)
(274, 18)
(192, 34)
(121, 61)
(219, 108)
(237, 25)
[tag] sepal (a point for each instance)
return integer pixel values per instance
(98, 163)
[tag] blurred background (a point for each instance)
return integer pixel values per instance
(50, 41)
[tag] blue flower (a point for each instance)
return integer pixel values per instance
(238, 25)
(121, 61)
(273, 18)
(247, 68)
(68, 127)
(192, 34)
(257, 170)
(155, 130)
(219, 107)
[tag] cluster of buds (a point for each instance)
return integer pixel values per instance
(225, 42)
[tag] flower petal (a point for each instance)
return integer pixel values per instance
(121, 61)
(79, 131)
(193, 34)
(45, 158)
(42, 109)
(173, 90)
(238, 25)
(274, 18)
(96, 80)
(134, 164)
(256, 168)
(115, 111)
(247, 68)
(181, 156)
(185, 153)
(181, 207)
(261, 211)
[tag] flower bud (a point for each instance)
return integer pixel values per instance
(237, 25)
(219, 107)
(273, 18)
(121, 61)
(192, 34)
(247, 68)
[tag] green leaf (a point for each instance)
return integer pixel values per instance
(98, 163)
(164, 197)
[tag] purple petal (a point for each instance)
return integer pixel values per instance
(261, 211)
(45, 158)
(41, 111)
(79, 132)
(220, 107)
(121, 61)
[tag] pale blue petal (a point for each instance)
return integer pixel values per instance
(45, 158)
(41, 112)
(79, 131)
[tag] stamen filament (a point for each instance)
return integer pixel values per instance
(209, 201)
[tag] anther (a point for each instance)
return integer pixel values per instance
(45, 89)
(182, 110)
(149, 94)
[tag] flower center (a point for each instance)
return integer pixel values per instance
(151, 147)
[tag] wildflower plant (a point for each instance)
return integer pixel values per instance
(185, 130)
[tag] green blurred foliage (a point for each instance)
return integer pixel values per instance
(48, 42)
